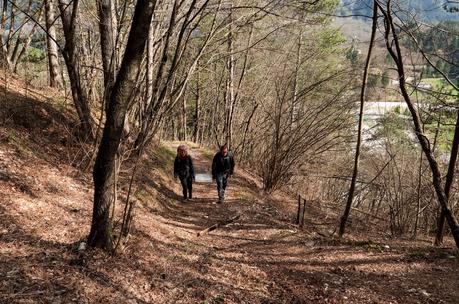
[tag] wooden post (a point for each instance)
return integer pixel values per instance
(304, 210)
(299, 209)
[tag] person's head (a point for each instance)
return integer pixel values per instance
(224, 149)
(182, 151)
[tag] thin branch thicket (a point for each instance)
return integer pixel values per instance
(393, 46)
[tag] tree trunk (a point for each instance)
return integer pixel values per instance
(197, 119)
(24, 48)
(150, 68)
(55, 79)
(118, 103)
(184, 119)
(13, 54)
(448, 182)
(3, 48)
(350, 196)
(79, 95)
(295, 106)
(418, 198)
(107, 41)
(230, 100)
(423, 141)
(454, 148)
(155, 102)
(3, 54)
(247, 127)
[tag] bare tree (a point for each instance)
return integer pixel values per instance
(454, 148)
(69, 16)
(16, 36)
(117, 108)
(393, 46)
(55, 79)
(350, 197)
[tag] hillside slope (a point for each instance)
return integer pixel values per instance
(260, 258)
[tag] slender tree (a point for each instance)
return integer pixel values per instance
(69, 16)
(355, 172)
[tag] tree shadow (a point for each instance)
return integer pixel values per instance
(39, 270)
(41, 128)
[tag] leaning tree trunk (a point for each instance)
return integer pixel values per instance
(423, 141)
(118, 103)
(448, 182)
(350, 197)
(454, 148)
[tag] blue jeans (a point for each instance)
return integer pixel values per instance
(187, 184)
(222, 181)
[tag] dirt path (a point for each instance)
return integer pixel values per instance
(264, 258)
(260, 258)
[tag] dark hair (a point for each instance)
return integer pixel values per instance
(222, 147)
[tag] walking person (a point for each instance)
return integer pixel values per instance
(184, 170)
(222, 169)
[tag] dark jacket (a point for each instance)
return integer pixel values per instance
(222, 164)
(183, 167)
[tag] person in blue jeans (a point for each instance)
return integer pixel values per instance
(222, 169)
(184, 170)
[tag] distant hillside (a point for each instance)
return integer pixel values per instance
(427, 10)
(356, 30)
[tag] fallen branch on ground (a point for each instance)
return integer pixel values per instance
(218, 225)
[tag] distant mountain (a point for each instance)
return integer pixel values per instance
(426, 10)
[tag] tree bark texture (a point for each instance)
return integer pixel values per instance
(118, 103)
(55, 79)
(3, 48)
(107, 40)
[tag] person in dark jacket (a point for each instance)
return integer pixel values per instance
(222, 169)
(184, 170)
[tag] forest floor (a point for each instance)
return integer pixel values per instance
(262, 257)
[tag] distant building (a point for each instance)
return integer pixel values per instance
(424, 85)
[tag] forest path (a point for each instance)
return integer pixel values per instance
(260, 258)
(45, 215)
(246, 260)
(264, 258)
